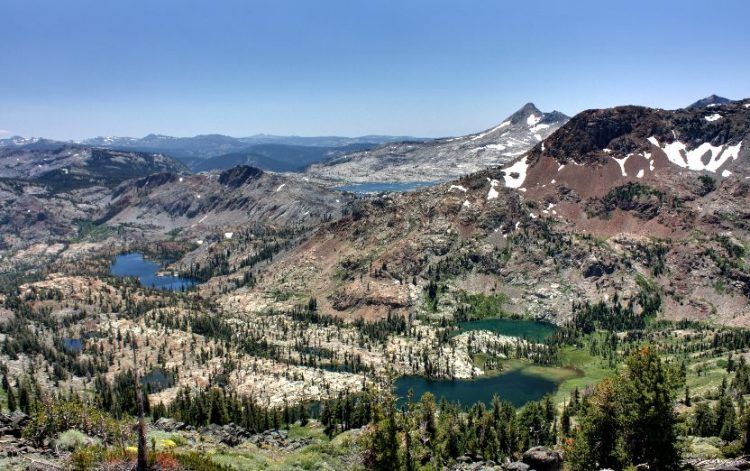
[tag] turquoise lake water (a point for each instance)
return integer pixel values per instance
(522, 328)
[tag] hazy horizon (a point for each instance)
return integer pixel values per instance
(423, 69)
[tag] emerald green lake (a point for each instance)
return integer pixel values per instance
(522, 328)
(517, 386)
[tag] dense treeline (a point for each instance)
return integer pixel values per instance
(424, 434)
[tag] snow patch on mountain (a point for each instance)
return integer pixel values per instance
(515, 175)
(533, 119)
(705, 157)
(489, 131)
(621, 161)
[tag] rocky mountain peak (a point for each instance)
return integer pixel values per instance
(526, 110)
(530, 115)
(710, 101)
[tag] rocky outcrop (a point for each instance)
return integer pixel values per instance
(12, 443)
(730, 464)
(542, 458)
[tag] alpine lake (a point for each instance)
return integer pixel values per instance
(135, 265)
(518, 382)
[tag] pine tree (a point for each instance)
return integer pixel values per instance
(11, 399)
(304, 416)
(565, 421)
(704, 421)
(651, 423)
(726, 419)
(24, 401)
(599, 441)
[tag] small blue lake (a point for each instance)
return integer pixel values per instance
(384, 187)
(133, 264)
(73, 345)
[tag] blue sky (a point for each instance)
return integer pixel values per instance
(80, 68)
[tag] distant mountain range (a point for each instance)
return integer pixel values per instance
(218, 152)
(277, 157)
(371, 158)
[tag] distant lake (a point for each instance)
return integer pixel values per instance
(133, 264)
(73, 345)
(523, 328)
(516, 386)
(384, 187)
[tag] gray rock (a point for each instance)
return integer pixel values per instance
(543, 459)
(517, 466)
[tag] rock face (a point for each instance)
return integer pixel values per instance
(444, 159)
(13, 423)
(542, 458)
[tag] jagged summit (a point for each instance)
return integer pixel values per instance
(524, 112)
(710, 101)
(531, 115)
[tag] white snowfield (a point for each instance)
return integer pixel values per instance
(678, 154)
(489, 131)
(713, 117)
(533, 120)
(457, 187)
(520, 168)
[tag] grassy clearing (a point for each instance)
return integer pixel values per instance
(591, 367)
(710, 377)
